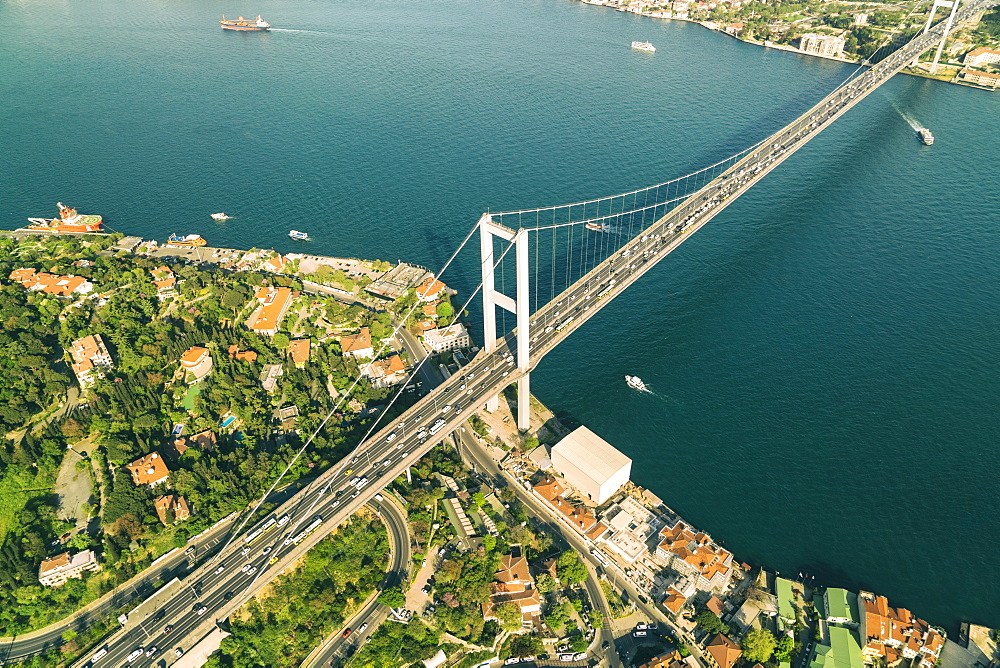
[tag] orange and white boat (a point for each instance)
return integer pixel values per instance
(69, 220)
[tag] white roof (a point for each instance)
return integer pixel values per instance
(591, 455)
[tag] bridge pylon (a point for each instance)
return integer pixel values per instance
(519, 306)
(947, 4)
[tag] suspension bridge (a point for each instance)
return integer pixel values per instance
(552, 269)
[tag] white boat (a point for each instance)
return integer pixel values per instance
(636, 383)
(219, 216)
(301, 236)
(925, 136)
(644, 46)
(596, 227)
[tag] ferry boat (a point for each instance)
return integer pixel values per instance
(301, 236)
(244, 24)
(219, 216)
(596, 227)
(925, 136)
(68, 221)
(636, 383)
(189, 240)
(644, 46)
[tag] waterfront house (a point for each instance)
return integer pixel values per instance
(448, 338)
(90, 357)
(60, 286)
(988, 79)
(274, 303)
(695, 553)
(430, 290)
(822, 45)
(981, 56)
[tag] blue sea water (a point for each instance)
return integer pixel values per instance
(825, 354)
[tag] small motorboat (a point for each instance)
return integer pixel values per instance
(219, 216)
(301, 236)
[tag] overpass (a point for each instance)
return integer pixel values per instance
(243, 568)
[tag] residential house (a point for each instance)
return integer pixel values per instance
(448, 338)
(269, 376)
(171, 504)
(671, 659)
(387, 372)
(514, 584)
(61, 286)
(298, 349)
(274, 264)
(165, 282)
(843, 650)
(694, 552)
(357, 345)
(722, 652)
(787, 608)
(60, 568)
(274, 303)
(244, 355)
(890, 635)
(90, 356)
(734, 29)
(430, 310)
(150, 470)
(198, 362)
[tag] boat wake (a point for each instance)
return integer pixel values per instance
(318, 32)
(906, 117)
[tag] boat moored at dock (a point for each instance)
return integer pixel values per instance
(69, 221)
(644, 46)
(188, 240)
(246, 25)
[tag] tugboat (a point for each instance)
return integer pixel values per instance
(644, 46)
(68, 221)
(189, 240)
(301, 236)
(220, 216)
(925, 136)
(636, 383)
(244, 24)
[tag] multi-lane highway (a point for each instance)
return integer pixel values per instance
(235, 576)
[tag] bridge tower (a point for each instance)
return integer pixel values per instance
(519, 306)
(947, 4)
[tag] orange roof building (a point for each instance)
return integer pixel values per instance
(357, 345)
(197, 362)
(274, 304)
(164, 280)
(60, 568)
(674, 601)
(150, 470)
(90, 356)
(387, 372)
(723, 652)
(695, 553)
(299, 350)
(61, 286)
(893, 634)
(244, 355)
(170, 502)
(430, 290)
(580, 518)
(514, 584)
(275, 264)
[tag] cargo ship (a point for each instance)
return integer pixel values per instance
(68, 221)
(244, 24)
(644, 46)
(189, 240)
(925, 136)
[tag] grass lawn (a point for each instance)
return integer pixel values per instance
(190, 396)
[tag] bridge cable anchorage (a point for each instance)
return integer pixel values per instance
(332, 411)
(402, 386)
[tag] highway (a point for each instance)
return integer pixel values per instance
(373, 613)
(341, 490)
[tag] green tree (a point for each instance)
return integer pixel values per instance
(710, 622)
(783, 650)
(445, 310)
(280, 341)
(758, 646)
(596, 618)
(509, 615)
(479, 499)
(392, 597)
(570, 569)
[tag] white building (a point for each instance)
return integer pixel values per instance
(55, 571)
(981, 56)
(591, 464)
(822, 45)
(447, 338)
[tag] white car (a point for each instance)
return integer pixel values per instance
(447, 407)
(136, 653)
(178, 652)
(151, 651)
(390, 438)
(202, 610)
(219, 569)
(246, 567)
(403, 455)
(267, 550)
(253, 569)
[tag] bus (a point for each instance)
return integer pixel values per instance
(605, 291)
(564, 324)
(308, 530)
(256, 533)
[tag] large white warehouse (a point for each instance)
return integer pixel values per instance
(591, 464)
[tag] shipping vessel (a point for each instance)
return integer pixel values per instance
(636, 383)
(244, 24)
(301, 236)
(189, 240)
(644, 46)
(68, 221)
(925, 136)
(219, 216)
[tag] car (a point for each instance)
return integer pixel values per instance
(361, 629)
(426, 589)
(640, 626)
(246, 550)
(228, 596)
(284, 520)
(178, 652)
(348, 471)
(253, 569)
(605, 644)
(639, 634)
(403, 455)
(458, 409)
(202, 610)
(390, 438)
(220, 569)
(379, 497)
(579, 656)
(273, 561)
(565, 657)
(246, 567)
(267, 550)
(136, 653)
(346, 632)
(447, 407)
(151, 651)
(462, 386)
(422, 432)
(549, 329)
(386, 462)
(168, 628)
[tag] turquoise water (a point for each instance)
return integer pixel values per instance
(824, 354)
